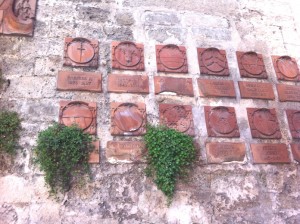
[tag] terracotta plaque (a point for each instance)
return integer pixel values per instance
(225, 152)
(171, 58)
(221, 122)
(128, 56)
(128, 83)
(256, 90)
(270, 153)
(216, 88)
(17, 17)
(125, 151)
(288, 93)
(296, 152)
(84, 81)
(94, 156)
(80, 113)
(178, 117)
(286, 68)
(294, 122)
(213, 61)
(251, 65)
(180, 86)
(81, 52)
(128, 119)
(263, 123)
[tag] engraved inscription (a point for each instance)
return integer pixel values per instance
(216, 88)
(256, 90)
(181, 86)
(288, 93)
(270, 153)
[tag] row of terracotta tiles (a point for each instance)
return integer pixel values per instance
(86, 81)
(125, 55)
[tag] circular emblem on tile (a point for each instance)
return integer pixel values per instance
(213, 60)
(251, 63)
(171, 57)
(177, 117)
(296, 121)
(287, 66)
(128, 117)
(77, 113)
(265, 122)
(222, 121)
(127, 54)
(80, 51)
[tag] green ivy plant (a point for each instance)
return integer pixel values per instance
(10, 125)
(170, 154)
(62, 153)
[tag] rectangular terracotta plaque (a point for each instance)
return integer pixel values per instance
(83, 81)
(296, 152)
(256, 90)
(180, 86)
(225, 152)
(216, 88)
(94, 156)
(270, 153)
(125, 151)
(288, 93)
(128, 83)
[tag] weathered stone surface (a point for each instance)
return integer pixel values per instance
(288, 93)
(125, 151)
(180, 86)
(213, 61)
(256, 90)
(178, 117)
(263, 123)
(81, 52)
(216, 88)
(128, 118)
(251, 65)
(221, 122)
(296, 152)
(270, 153)
(128, 83)
(171, 58)
(84, 81)
(220, 152)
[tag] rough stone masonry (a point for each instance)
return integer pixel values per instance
(219, 191)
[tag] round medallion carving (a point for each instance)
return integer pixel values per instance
(178, 118)
(127, 54)
(80, 51)
(128, 117)
(265, 122)
(296, 121)
(222, 121)
(172, 57)
(78, 113)
(287, 67)
(251, 63)
(213, 60)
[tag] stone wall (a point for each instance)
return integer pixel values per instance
(235, 192)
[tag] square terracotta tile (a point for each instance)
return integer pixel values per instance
(17, 18)
(128, 119)
(286, 68)
(221, 122)
(213, 61)
(171, 58)
(178, 117)
(294, 122)
(83, 114)
(81, 52)
(180, 86)
(263, 123)
(128, 84)
(127, 55)
(251, 65)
